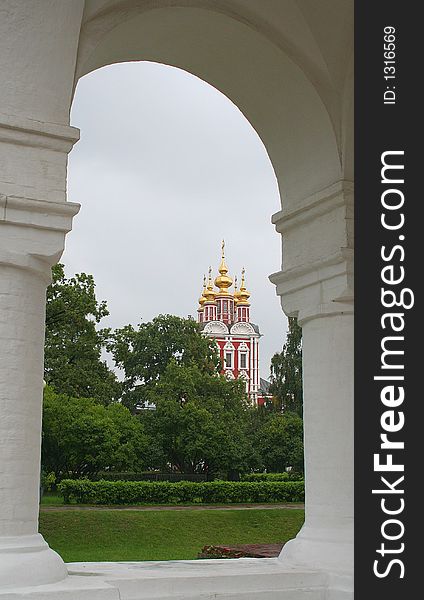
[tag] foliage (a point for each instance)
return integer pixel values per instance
(145, 353)
(292, 476)
(149, 476)
(81, 437)
(47, 481)
(73, 345)
(279, 442)
(286, 372)
(200, 423)
(116, 535)
(165, 492)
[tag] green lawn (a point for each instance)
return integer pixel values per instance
(109, 535)
(51, 499)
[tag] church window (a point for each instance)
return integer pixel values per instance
(229, 360)
(243, 360)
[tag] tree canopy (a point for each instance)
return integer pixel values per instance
(73, 344)
(82, 437)
(286, 372)
(144, 353)
(279, 442)
(200, 421)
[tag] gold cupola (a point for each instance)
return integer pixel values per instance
(236, 291)
(223, 281)
(243, 295)
(202, 298)
(209, 294)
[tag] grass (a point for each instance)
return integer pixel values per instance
(110, 535)
(51, 499)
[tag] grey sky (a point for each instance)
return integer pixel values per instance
(166, 167)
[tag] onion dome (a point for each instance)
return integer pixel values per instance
(236, 292)
(202, 298)
(243, 294)
(209, 294)
(223, 281)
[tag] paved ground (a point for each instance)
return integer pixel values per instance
(291, 505)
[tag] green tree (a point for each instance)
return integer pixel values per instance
(145, 353)
(82, 437)
(200, 421)
(286, 372)
(279, 442)
(73, 345)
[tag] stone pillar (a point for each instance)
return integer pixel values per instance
(34, 219)
(316, 285)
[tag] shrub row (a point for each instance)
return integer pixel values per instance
(163, 492)
(148, 476)
(272, 477)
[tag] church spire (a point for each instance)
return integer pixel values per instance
(202, 298)
(242, 301)
(223, 281)
(209, 294)
(243, 294)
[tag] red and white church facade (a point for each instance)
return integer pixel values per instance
(225, 316)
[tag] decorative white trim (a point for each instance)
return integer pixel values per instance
(242, 328)
(40, 214)
(324, 201)
(28, 132)
(228, 349)
(215, 327)
(322, 288)
(41, 244)
(243, 349)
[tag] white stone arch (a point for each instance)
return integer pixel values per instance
(277, 97)
(287, 66)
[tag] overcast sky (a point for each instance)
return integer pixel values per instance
(166, 167)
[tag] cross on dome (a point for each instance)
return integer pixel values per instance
(223, 281)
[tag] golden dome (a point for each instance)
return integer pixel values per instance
(209, 294)
(202, 298)
(223, 281)
(243, 295)
(236, 292)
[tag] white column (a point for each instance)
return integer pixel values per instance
(32, 233)
(316, 285)
(326, 539)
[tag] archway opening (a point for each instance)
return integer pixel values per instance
(166, 168)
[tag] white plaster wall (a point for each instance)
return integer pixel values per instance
(22, 301)
(326, 539)
(38, 46)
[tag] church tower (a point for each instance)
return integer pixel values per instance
(225, 316)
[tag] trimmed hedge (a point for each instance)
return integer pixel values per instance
(148, 476)
(163, 492)
(272, 477)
